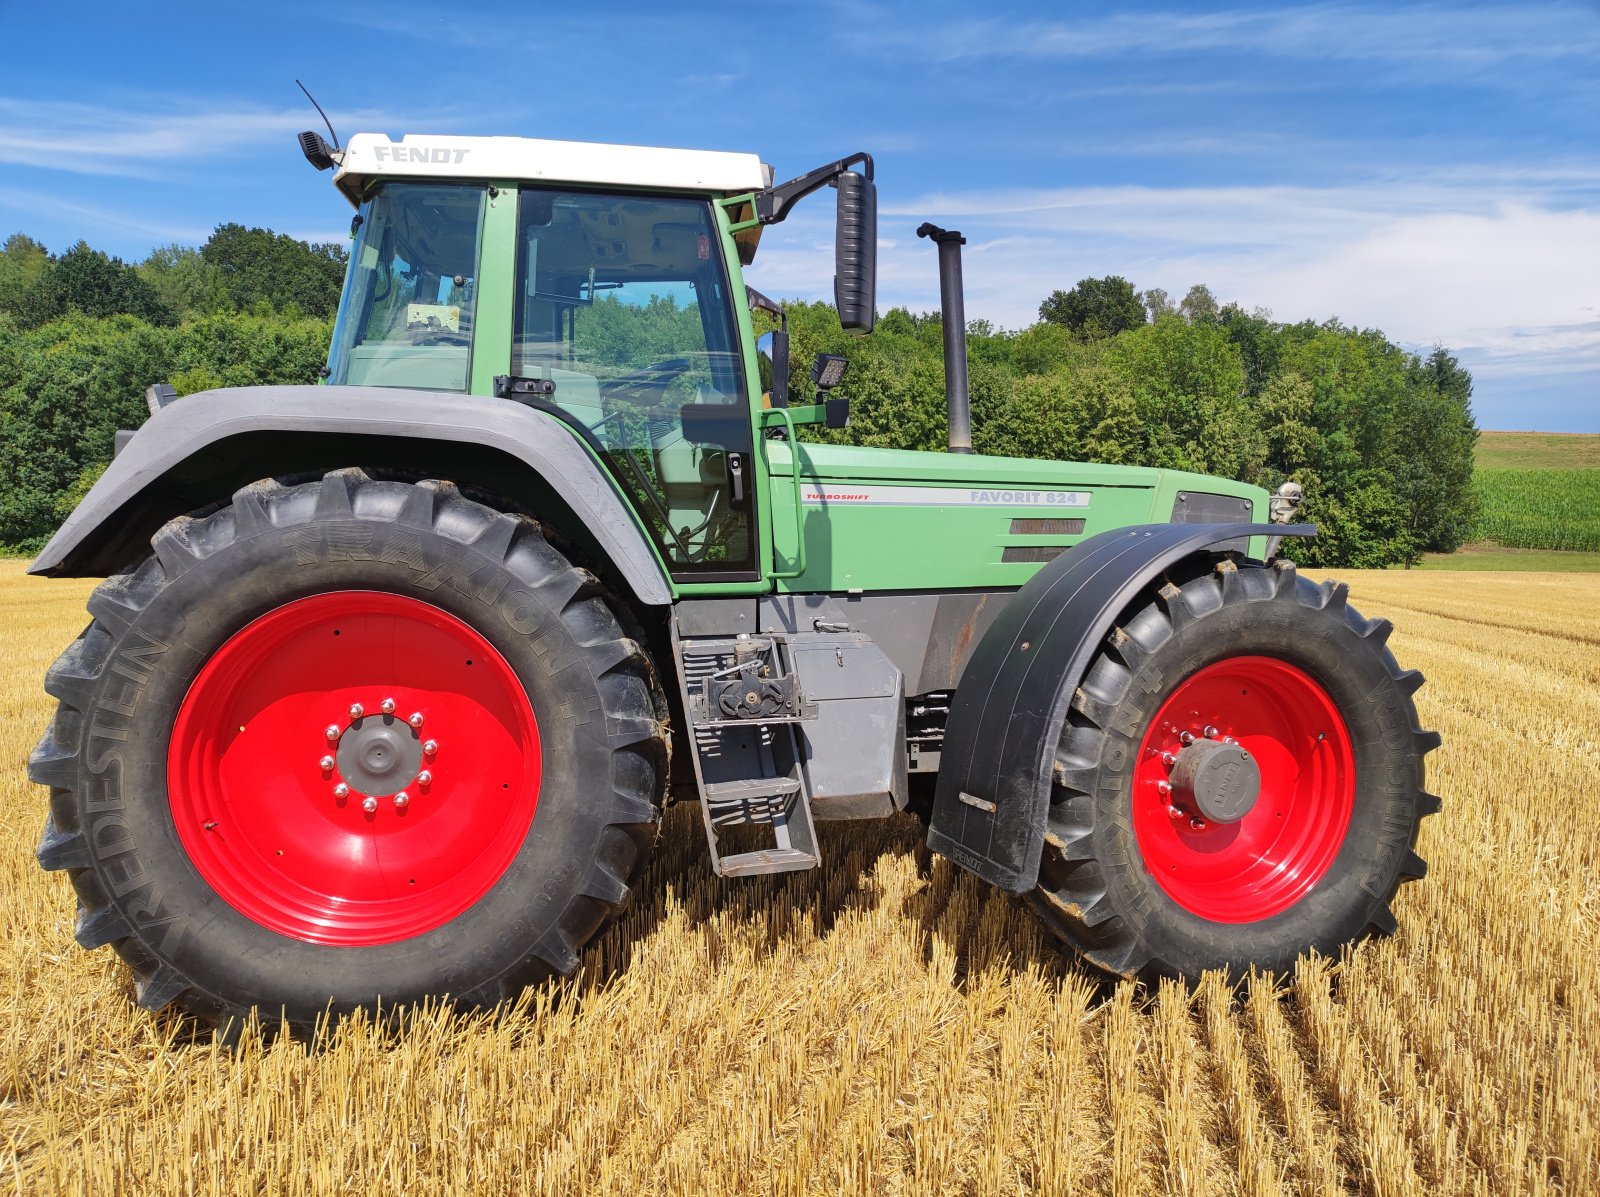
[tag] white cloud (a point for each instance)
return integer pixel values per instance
(103, 139)
(94, 217)
(1516, 283)
(1441, 36)
(1461, 260)
(1482, 262)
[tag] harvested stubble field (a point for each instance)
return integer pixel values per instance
(886, 1025)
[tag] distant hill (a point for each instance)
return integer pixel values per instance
(1538, 451)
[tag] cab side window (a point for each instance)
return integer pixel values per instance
(623, 304)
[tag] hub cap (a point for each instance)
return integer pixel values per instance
(1243, 790)
(354, 768)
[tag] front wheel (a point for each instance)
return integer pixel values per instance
(1240, 780)
(347, 743)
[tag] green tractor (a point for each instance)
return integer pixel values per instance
(391, 678)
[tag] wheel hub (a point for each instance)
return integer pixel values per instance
(1218, 781)
(379, 755)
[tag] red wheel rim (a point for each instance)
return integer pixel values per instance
(262, 818)
(1268, 860)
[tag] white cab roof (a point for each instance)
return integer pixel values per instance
(373, 155)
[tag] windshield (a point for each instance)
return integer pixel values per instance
(623, 304)
(406, 316)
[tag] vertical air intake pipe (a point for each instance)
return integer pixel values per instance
(954, 311)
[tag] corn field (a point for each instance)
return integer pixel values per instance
(885, 1024)
(1539, 509)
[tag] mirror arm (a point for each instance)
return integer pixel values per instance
(758, 302)
(773, 204)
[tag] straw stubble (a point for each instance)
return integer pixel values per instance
(889, 1026)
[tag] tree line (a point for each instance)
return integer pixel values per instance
(82, 334)
(1380, 438)
(236, 270)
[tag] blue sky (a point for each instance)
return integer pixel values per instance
(1432, 170)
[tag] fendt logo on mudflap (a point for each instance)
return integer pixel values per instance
(437, 155)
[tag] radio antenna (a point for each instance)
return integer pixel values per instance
(320, 113)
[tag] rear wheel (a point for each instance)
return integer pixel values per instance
(1240, 780)
(345, 743)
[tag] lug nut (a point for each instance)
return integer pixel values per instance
(429, 747)
(332, 731)
(1186, 738)
(341, 791)
(1197, 823)
(357, 710)
(327, 764)
(370, 805)
(1230, 740)
(387, 706)
(425, 778)
(1163, 787)
(402, 799)
(1210, 732)
(416, 719)
(1168, 759)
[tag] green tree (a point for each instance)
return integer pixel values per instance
(258, 265)
(1199, 306)
(1096, 308)
(88, 281)
(68, 385)
(1043, 348)
(1260, 343)
(1433, 442)
(1188, 387)
(1158, 303)
(184, 281)
(23, 264)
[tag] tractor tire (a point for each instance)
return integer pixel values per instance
(349, 744)
(1239, 781)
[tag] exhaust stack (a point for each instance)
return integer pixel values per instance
(953, 308)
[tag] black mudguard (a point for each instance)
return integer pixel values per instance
(1006, 717)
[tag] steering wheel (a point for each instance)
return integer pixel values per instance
(439, 336)
(646, 386)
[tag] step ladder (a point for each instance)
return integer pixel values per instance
(744, 706)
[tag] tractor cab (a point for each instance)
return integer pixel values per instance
(618, 319)
(600, 284)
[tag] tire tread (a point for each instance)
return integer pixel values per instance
(1071, 896)
(635, 714)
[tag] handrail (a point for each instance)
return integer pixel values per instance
(781, 415)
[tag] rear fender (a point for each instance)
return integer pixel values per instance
(199, 449)
(1007, 713)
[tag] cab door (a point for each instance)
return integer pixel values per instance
(623, 306)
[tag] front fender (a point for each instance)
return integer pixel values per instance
(152, 478)
(1006, 716)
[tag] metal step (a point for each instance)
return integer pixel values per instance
(769, 860)
(750, 787)
(751, 800)
(749, 768)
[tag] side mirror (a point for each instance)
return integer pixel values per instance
(855, 252)
(772, 356)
